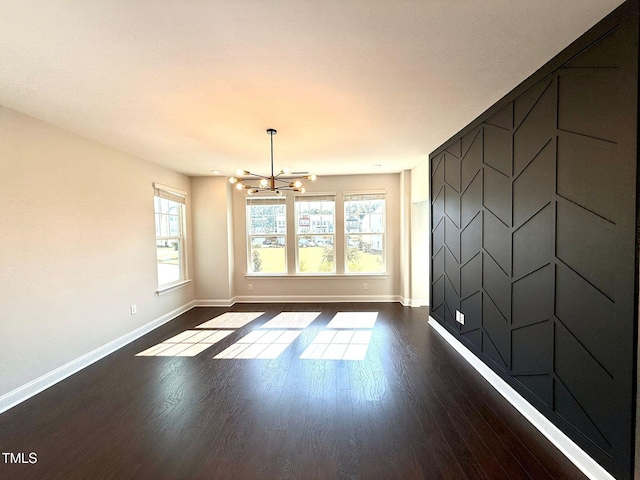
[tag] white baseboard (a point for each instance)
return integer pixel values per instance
(20, 394)
(317, 298)
(226, 302)
(414, 302)
(573, 452)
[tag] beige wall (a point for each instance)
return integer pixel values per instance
(77, 247)
(213, 240)
(335, 288)
(420, 233)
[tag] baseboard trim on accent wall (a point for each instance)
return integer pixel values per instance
(28, 390)
(573, 452)
(318, 298)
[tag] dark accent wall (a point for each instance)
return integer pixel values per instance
(534, 238)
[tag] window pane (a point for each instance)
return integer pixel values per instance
(168, 255)
(315, 254)
(267, 219)
(315, 216)
(364, 253)
(267, 255)
(365, 216)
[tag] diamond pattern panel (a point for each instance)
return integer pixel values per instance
(497, 241)
(497, 285)
(452, 204)
(497, 329)
(532, 297)
(532, 348)
(452, 170)
(497, 195)
(471, 200)
(471, 239)
(471, 276)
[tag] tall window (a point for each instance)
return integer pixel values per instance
(364, 228)
(315, 228)
(170, 245)
(267, 235)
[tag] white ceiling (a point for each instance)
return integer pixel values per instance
(193, 85)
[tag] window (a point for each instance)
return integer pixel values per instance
(364, 220)
(315, 228)
(267, 235)
(170, 244)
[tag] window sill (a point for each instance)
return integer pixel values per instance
(314, 275)
(171, 287)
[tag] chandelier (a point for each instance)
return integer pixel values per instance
(273, 183)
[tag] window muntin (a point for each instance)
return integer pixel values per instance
(364, 225)
(170, 245)
(267, 235)
(315, 233)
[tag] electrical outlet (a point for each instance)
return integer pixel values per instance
(459, 317)
(364, 286)
(133, 309)
(251, 287)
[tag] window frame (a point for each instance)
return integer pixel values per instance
(319, 197)
(347, 197)
(249, 200)
(178, 197)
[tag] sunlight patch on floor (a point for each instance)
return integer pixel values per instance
(353, 320)
(260, 344)
(231, 320)
(186, 344)
(338, 345)
(291, 320)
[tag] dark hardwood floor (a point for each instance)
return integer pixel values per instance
(412, 409)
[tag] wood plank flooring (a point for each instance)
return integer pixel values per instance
(413, 409)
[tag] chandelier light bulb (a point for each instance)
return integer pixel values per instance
(233, 180)
(302, 189)
(312, 177)
(264, 182)
(240, 172)
(239, 186)
(297, 184)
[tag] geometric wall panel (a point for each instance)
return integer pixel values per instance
(497, 286)
(438, 292)
(497, 195)
(532, 297)
(534, 188)
(497, 149)
(471, 239)
(592, 184)
(568, 408)
(452, 270)
(498, 331)
(438, 264)
(437, 208)
(534, 210)
(586, 107)
(536, 129)
(587, 314)
(539, 385)
(525, 102)
(437, 179)
(472, 160)
(471, 276)
(533, 243)
(497, 241)
(586, 380)
(452, 170)
(471, 200)
(438, 237)
(532, 348)
(452, 204)
(585, 243)
(472, 308)
(503, 118)
(452, 238)
(604, 53)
